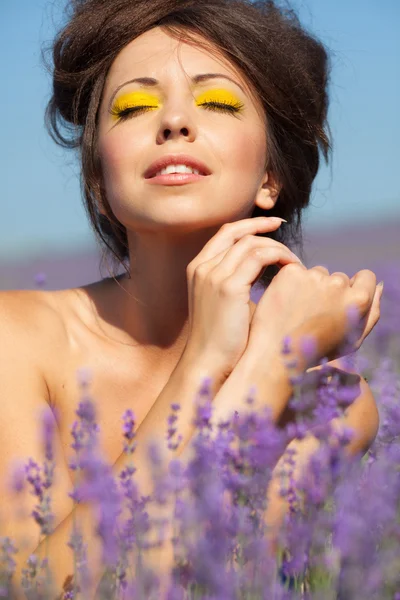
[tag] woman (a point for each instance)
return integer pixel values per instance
(196, 123)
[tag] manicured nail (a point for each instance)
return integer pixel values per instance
(277, 220)
(296, 257)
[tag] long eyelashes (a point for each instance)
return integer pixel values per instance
(223, 106)
(127, 112)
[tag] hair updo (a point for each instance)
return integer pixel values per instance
(284, 64)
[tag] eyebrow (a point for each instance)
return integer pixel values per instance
(151, 82)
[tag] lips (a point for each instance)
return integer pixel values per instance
(176, 159)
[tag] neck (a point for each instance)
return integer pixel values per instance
(155, 306)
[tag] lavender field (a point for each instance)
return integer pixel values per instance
(340, 539)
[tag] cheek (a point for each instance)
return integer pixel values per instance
(112, 158)
(119, 156)
(245, 153)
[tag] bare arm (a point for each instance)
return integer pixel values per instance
(24, 398)
(274, 391)
(362, 417)
(181, 388)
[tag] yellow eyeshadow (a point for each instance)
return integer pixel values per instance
(135, 99)
(217, 96)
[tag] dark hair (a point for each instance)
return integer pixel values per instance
(286, 67)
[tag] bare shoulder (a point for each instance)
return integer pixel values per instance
(30, 311)
(30, 325)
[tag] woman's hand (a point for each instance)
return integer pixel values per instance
(219, 283)
(311, 302)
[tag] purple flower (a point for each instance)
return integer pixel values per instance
(40, 279)
(175, 592)
(96, 483)
(84, 432)
(79, 548)
(32, 581)
(308, 347)
(17, 480)
(48, 430)
(42, 513)
(32, 471)
(203, 405)
(129, 425)
(86, 412)
(286, 346)
(128, 431)
(172, 430)
(84, 377)
(7, 564)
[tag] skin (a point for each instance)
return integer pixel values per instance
(167, 226)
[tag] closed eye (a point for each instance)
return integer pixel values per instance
(222, 106)
(130, 111)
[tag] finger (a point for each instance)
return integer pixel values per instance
(377, 295)
(230, 233)
(283, 256)
(250, 244)
(341, 276)
(372, 317)
(298, 264)
(364, 282)
(232, 255)
(363, 314)
(249, 269)
(323, 270)
(356, 276)
(204, 267)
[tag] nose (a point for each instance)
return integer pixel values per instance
(169, 133)
(176, 122)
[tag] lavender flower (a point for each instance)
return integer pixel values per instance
(172, 430)
(41, 479)
(7, 566)
(340, 537)
(17, 480)
(128, 431)
(97, 484)
(40, 279)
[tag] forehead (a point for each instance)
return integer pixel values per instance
(157, 54)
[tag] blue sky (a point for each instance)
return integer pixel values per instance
(41, 209)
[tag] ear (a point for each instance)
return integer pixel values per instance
(268, 193)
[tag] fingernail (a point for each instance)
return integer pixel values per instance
(278, 219)
(296, 257)
(380, 285)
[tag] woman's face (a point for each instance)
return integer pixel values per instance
(231, 142)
